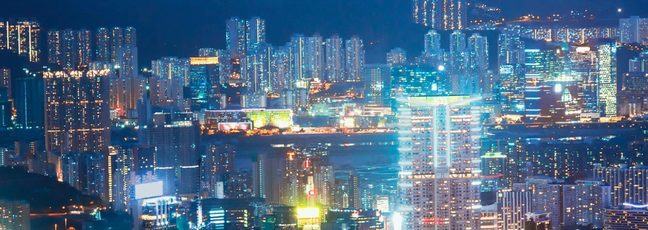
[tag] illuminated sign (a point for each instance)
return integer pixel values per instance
(203, 60)
(148, 190)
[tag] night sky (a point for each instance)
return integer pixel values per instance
(180, 27)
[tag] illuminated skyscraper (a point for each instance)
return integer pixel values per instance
(6, 99)
(314, 57)
(334, 59)
(441, 14)
(477, 65)
(256, 31)
(396, 56)
(439, 172)
(21, 37)
(607, 81)
(14, 214)
(236, 37)
(354, 58)
(584, 203)
(432, 52)
(629, 184)
(76, 111)
(457, 62)
(204, 86)
(167, 82)
(69, 49)
(77, 127)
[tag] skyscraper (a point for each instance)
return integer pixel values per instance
(629, 184)
(512, 207)
(175, 140)
(256, 31)
(354, 58)
(607, 81)
(477, 65)
(236, 37)
(167, 82)
(334, 59)
(439, 176)
(76, 111)
(21, 37)
(69, 49)
(441, 14)
(77, 126)
(457, 62)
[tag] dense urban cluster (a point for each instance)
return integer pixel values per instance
(525, 123)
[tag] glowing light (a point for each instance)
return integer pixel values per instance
(147, 190)
(619, 10)
(636, 205)
(308, 213)
(558, 88)
(441, 68)
(397, 220)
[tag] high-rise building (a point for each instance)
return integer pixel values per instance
(216, 164)
(69, 49)
(6, 99)
(396, 56)
(629, 184)
(121, 173)
(169, 76)
(204, 83)
(626, 217)
(512, 207)
(76, 111)
(374, 78)
(607, 80)
(175, 140)
(77, 126)
(416, 80)
(21, 37)
(354, 58)
(334, 59)
(256, 30)
(441, 14)
(584, 203)
(477, 66)
(29, 100)
(633, 30)
(546, 197)
(458, 62)
(438, 148)
(236, 37)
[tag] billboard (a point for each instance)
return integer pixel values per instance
(148, 190)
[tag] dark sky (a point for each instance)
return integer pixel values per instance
(180, 27)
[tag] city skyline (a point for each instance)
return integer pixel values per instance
(497, 118)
